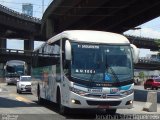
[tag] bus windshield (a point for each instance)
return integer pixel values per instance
(101, 63)
(15, 69)
(26, 78)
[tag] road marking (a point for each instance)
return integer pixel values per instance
(20, 98)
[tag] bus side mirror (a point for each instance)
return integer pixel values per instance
(68, 50)
(58, 78)
(135, 53)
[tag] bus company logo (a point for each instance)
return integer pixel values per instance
(103, 96)
(104, 85)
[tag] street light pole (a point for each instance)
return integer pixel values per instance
(42, 7)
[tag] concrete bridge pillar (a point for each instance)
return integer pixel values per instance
(29, 44)
(49, 28)
(1, 72)
(3, 43)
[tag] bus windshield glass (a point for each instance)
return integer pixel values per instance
(15, 69)
(26, 78)
(101, 62)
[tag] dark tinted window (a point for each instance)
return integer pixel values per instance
(157, 80)
(47, 55)
(149, 80)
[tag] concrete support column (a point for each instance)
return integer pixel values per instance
(1, 72)
(49, 28)
(29, 44)
(3, 43)
(29, 69)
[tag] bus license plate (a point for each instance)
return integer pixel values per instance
(114, 90)
(95, 90)
(104, 106)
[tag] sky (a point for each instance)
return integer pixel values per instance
(150, 29)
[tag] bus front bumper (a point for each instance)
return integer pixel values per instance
(77, 101)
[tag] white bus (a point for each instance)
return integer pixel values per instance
(85, 69)
(13, 70)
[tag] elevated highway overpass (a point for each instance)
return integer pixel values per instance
(17, 25)
(106, 15)
(60, 16)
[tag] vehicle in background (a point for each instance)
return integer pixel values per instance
(85, 69)
(24, 84)
(13, 70)
(153, 83)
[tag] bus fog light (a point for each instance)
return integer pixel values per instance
(73, 101)
(129, 102)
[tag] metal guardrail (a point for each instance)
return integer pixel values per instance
(147, 60)
(15, 52)
(19, 15)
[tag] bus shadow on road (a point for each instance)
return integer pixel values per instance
(10, 103)
(76, 113)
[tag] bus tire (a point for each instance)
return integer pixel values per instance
(19, 91)
(62, 109)
(111, 111)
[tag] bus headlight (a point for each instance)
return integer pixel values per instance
(77, 91)
(128, 92)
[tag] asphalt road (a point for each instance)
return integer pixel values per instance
(25, 107)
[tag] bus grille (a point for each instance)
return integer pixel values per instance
(28, 87)
(100, 96)
(110, 103)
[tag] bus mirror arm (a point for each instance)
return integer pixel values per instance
(66, 64)
(58, 78)
(68, 50)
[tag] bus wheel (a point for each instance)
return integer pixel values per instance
(111, 111)
(62, 109)
(17, 91)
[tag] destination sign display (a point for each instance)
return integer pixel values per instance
(88, 46)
